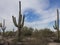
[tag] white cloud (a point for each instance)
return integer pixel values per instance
(11, 7)
(7, 9)
(38, 5)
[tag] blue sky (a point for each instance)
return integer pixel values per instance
(31, 15)
(54, 4)
(39, 13)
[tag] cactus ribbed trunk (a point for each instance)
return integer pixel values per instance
(58, 24)
(19, 34)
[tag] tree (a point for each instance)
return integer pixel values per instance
(27, 31)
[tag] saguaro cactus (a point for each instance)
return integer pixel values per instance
(20, 22)
(56, 26)
(3, 27)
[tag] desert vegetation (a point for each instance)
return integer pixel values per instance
(31, 36)
(27, 35)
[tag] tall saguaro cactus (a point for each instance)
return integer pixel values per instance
(56, 26)
(20, 23)
(3, 27)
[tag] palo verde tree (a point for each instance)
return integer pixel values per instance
(20, 22)
(56, 26)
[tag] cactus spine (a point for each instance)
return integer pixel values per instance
(20, 22)
(3, 27)
(56, 27)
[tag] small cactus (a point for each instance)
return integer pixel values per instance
(3, 27)
(56, 26)
(20, 22)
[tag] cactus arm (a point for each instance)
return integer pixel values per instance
(3, 28)
(23, 20)
(14, 21)
(55, 26)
